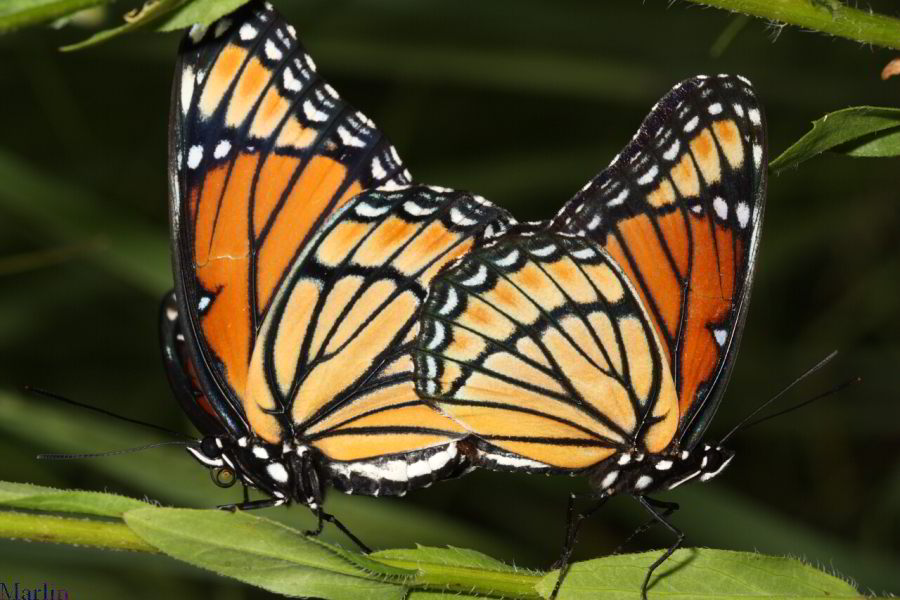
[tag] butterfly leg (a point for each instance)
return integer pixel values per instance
(251, 504)
(666, 508)
(573, 524)
(330, 518)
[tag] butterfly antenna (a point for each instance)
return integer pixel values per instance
(54, 456)
(102, 411)
(819, 396)
(748, 420)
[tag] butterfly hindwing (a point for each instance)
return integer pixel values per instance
(262, 150)
(333, 362)
(680, 210)
(540, 346)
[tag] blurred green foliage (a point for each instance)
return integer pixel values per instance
(521, 101)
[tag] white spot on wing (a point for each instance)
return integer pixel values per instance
(222, 149)
(364, 209)
(451, 303)
(291, 83)
(349, 139)
(247, 32)
(721, 335)
(754, 115)
(312, 113)
(439, 336)
(221, 27)
(417, 210)
(619, 199)
(460, 219)
(649, 176)
(721, 208)
(477, 279)
(743, 214)
(672, 152)
(187, 88)
(545, 251)
(197, 32)
(692, 124)
(508, 260)
(378, 171)
(195, 155)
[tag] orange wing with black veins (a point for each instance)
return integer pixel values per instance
(680, 210)
(262, 151)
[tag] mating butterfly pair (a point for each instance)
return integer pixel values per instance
(333, 324)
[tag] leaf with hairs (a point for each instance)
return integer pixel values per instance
(266, 554)
(859, 131)
(198, 12)
(697, 573)
(36, 497)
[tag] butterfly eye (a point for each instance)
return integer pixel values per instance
(223, 477)
(209, 448)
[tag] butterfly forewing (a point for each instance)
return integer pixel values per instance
(539, 345)
(680, 211)
(262, 150)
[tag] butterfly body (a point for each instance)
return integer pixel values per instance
(638, 473)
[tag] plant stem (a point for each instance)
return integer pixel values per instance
(520, 584)
(827, 16)
(64, 530)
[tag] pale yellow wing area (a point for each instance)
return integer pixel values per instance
(540, 347)
(333, 359)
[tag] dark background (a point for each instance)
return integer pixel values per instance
(521, 101)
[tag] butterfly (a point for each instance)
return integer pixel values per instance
(302, 254)
(602, 344)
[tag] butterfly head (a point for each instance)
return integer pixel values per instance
(283, 472)
(640, 473)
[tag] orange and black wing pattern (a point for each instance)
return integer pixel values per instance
(332, 367)
(540, 346)
(680, 211)
(262, 151)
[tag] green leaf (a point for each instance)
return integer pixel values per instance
(697, 573)
(35, 497)
(879, 144)
(462, 570)
(202, 12)
(418, 595)
(857, 131)
(149, 14)
(264, 553)
(20, 13)
(451, 557)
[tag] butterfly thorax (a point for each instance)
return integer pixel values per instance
(640, 473)
(285, 472)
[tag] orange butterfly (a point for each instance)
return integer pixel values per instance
(602, 345)
(301, 258)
